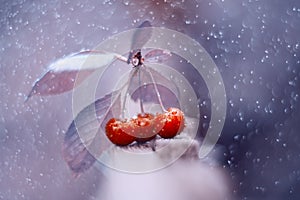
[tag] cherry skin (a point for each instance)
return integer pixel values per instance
(118, 132)
(143, 127)
(173, 121)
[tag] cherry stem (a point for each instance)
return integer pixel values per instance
(141, 93)
(126, 93)
(156, 91)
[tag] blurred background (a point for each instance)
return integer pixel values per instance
(255, 45)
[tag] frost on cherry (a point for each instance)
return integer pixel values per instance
(145, 127)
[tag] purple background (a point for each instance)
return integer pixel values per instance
(254, 43)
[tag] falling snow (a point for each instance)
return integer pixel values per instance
(255, 45)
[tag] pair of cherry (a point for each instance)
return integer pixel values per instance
(145, 127)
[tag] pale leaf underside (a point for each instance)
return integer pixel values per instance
(139, 39)
(62, 74)
(86, 130)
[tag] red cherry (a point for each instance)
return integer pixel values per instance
(143, 127)
(118, 132)
(173, 121)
